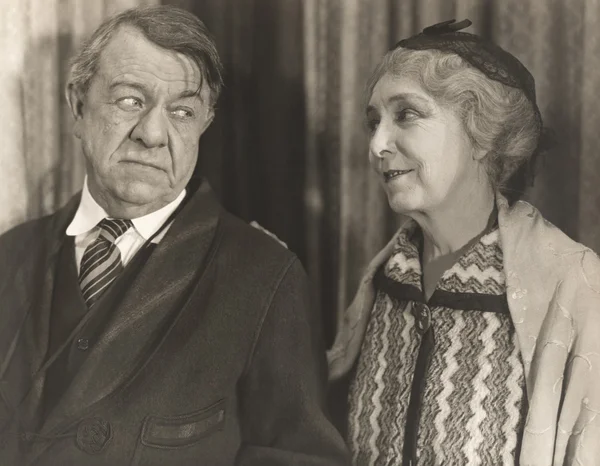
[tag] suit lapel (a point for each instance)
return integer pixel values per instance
(143, 317)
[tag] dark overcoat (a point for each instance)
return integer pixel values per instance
(213, 356)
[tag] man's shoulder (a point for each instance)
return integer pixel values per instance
(25, 232)
(251, 245)
(37, 231)
(24, 245)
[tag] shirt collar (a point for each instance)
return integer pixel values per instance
(149, 224)
(89, 214)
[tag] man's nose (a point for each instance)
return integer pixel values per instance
(382, 143)
(151, 130)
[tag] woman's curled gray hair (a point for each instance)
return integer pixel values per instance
(497, 118)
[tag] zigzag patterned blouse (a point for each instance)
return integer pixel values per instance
(439, 383)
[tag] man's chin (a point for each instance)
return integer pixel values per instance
(140, 193)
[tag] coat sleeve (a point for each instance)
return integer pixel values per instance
(353, 324)
(579, 423)
(282, 395)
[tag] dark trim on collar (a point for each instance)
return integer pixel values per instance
(440, 298)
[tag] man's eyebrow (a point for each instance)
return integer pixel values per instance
(134, 85)
(189, 93)
(143, 89)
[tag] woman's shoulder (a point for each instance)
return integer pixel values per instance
(528, 237)
(526, 223)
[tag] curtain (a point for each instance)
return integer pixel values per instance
(348, 218)
(253, 153)
(40, 161)
(288, 147)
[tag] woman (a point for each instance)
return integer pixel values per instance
(474, 336)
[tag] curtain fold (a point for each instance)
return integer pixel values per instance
(253, 153)
(41, 162)
(288, 146)
(557, 40)
(589, 188)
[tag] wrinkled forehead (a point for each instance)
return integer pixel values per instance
(392, 88)
(130, 54)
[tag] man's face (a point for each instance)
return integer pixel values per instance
(140, 124)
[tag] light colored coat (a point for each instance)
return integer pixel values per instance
(553, 290)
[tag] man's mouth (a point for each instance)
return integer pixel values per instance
(393, 174)
(142, 164)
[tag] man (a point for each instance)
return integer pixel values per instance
(142, 324)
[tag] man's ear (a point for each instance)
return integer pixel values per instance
(209, 119)
(75, 100)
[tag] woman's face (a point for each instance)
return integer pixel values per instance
(419, 149)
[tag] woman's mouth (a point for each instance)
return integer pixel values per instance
(393, 174)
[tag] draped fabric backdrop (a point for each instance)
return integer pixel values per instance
(40, 162)
(288, 147)
(558, 40)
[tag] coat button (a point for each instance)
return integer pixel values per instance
(93, 434)
(83, 344)
(422, 316)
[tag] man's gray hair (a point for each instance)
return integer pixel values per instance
(168, 27)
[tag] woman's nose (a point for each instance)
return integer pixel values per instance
(382, 142)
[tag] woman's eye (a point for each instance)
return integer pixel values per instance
(372, 124)
(129, 103)
(406, 115)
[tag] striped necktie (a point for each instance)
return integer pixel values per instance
(101, 261)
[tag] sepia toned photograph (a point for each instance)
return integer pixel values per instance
(300, 232)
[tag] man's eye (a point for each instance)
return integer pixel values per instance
(129, 103)
(183, 112)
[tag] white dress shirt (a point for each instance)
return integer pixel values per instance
(85, 230)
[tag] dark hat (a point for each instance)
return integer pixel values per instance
(493, 61)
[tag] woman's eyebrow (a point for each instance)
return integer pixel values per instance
(409, 97)
(403, 97)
